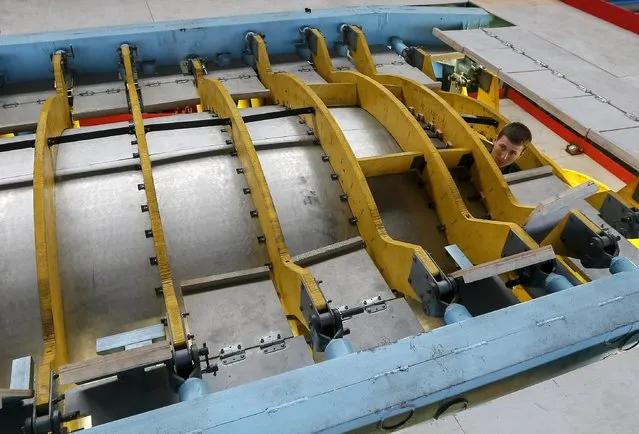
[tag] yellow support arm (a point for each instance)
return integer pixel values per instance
(171, 302)
(54, 118)
(289, 278)
(393, 258)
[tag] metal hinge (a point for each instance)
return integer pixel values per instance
(370, 305)
(272, 343)
(232, 354)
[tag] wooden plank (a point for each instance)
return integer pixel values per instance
(329, 251)
(336, 94)
(504, 265)
(528, 175)
(113, 364)
(119, 342)
(387, 164)
(223, 280)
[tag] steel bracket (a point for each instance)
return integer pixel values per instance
(232, 354)
(594, 250)
(623, 218)
(324, 326)
(272, 343)
(428, 288)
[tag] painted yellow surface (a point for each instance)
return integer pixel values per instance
(387, 164)
(55, 117)
(171, 302)
(288, 276)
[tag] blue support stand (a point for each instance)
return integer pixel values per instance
(337, 348)
(619, 264)
(556, 282)
(456, 313)
(193, 388)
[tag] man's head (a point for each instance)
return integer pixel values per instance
(511, 142)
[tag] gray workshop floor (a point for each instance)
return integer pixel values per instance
(598, 398)
(553, 146)
(34, 16)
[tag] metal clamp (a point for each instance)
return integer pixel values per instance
(232, 354)
(272, 343)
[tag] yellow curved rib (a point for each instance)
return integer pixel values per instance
(171, 302)
(289, 277)
(54, 118)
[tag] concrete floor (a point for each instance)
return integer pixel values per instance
(598, 398)
(554, 146)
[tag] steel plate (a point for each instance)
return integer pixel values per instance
(306, 198)
(366, 136)
(108, 283)
(20, 326)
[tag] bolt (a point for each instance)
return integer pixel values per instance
(262, 340)
(325, 158)
(222, 351)
(279, 336)
(185, 314)
(164, 321)
(410, 280)
(334, 176)
(190, 336)
(144, 208)
(239, 347)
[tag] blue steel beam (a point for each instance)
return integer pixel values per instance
(27, 57)
(363, 388)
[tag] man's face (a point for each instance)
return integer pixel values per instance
(505, 152)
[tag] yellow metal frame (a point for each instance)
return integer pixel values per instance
(288, 277)
(630, 192)
(531, 157)
(172, 303)
(55, 117)
(393, 258)
(425, 103)
(481, 240)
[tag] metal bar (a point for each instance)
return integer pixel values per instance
(278, 114)
(15, 146)
(480, 120)
(174, 317)
(168, 126)
(290, 279)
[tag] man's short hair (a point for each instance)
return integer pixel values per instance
(517, 133)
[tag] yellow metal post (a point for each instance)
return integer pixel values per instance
(172, 304)
(289, 277)
(54, 118)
